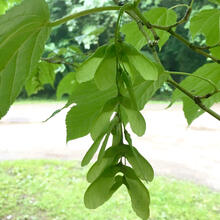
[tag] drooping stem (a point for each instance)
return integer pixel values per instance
(83, 13)
(196, 99)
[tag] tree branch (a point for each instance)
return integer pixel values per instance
(174, 34)
(57, 60)
(83, 13)
(196, 99)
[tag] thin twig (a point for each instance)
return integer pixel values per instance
(60, 61)
(81, 14)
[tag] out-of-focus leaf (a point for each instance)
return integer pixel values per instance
(66, 85)
(45, 74)
(215, 1)
(207, 22)
(216, 52)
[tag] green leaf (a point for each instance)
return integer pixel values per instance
(90, 153)
(88, 93)
(117, 135)
(141, 166)
(101, 124)
(158, 16)
(45, 74)
(139, 194)
(136, 120)
(215, 1)
(80, 119)
(207, 22)
(3, 6)
(88, 68)
(199, 88)
(216, 52)
(90, 102)
(146, 89)
(23, 33)
(102, 188)
(105, 75)
(144, 66)
(103, 147)
(133, 35)
(66, 85)
(110, 158)
(162, 17)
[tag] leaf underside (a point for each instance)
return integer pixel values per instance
(23, 33)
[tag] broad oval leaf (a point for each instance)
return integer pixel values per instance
(102, 188)
(207, 22)
(139, 194)
(87, 69)
(23, 32)
(105, 75)
(136, 120)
